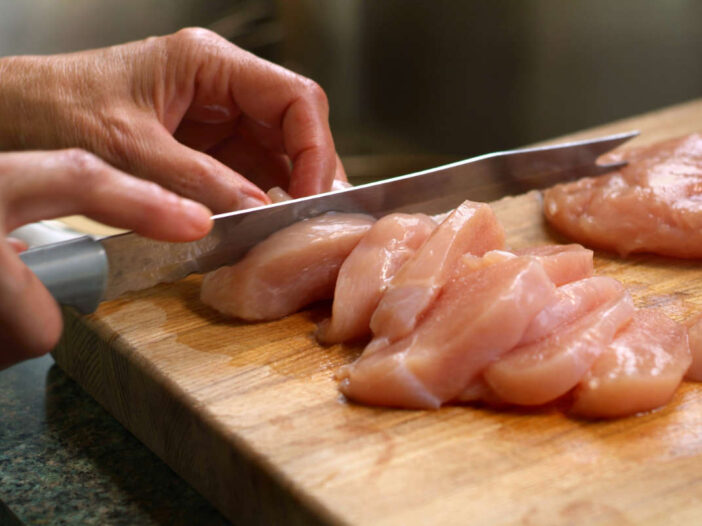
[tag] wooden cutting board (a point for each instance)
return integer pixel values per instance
(250, 415)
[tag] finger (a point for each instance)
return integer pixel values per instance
(310, 147)
(30, 320)
(264, 168)
(219, 112)
(340, 173)
(270, 137)
(203, 136)
(248, 148)
(43, 185)
(268, 94)
(153, 153)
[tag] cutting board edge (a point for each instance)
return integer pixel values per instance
(262, 493)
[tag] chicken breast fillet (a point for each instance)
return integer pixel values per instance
(654, 204)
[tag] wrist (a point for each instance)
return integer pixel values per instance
(35, 94)
(11, 103)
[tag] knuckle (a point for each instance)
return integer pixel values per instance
(315, 93)
(194, 175)
(83, 170)
(79, 162)
(193, 45)
(194, 35)
(121, 143)
(154, 210)
(200, 174)
(201, 170)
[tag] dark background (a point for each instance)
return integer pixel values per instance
(416, 83)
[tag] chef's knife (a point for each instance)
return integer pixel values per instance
(83, 272)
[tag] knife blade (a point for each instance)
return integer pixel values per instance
(83, 272)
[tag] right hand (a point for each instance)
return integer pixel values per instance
(43, 185)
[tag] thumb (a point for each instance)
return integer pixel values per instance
(30, 319)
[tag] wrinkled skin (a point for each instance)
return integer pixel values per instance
(190, 112)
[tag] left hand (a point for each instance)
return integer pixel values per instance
(189, 111)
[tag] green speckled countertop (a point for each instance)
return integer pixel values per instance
(65, 460)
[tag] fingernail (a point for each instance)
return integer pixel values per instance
(250, 202)
(197, 213)
(338, 184)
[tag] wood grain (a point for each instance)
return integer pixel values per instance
(249, 413)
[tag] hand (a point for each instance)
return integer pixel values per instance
(190, 111)
(41, 185)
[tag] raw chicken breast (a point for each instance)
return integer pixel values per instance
(563, 263)
(479, 315)
(695, 337)
(541, 371)
(654, 204)
(290, 269)
(638, 371)
(571, 301)
(471, 228)
(364, 275)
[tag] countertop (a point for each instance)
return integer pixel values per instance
(65, 460)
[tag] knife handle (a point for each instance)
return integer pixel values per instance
(74, 271)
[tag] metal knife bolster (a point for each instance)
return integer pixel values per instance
(74, 271)
(83, 272)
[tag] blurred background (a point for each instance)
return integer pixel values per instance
(413, 84)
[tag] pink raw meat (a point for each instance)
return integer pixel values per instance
(479, 391)
(471, 228)
(570, 302)
(365, 274)
(290, 269)
(540, 372)
(695, 337)
(479, 315)
(639, 371)
(563, 263)
(654, 204)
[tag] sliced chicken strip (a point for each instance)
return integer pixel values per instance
(479, 315)
(540, 372)
(365, 274)
(471, 228)
(290, 269)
